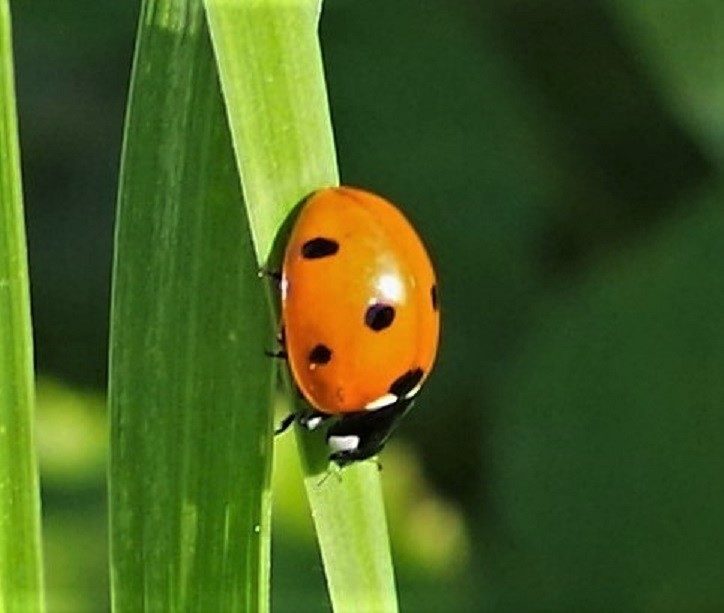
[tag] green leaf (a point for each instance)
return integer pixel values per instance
(273, 81)
(189, 382)
(272, 77)
(606, 452)
(20, 553)
(681, 43)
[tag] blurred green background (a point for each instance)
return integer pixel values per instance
(564, 161)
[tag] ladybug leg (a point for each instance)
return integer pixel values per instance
(276, 275)
(280, 353)
(333, 469)
(310, 420)
(286, 422)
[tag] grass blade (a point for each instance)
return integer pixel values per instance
(20, 552)
(189, 383)
(273, 81)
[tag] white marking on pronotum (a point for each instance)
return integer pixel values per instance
(349, 442)
(284, 287)
(413, 392)
(390, 288)
(381, 402)
(313, 422)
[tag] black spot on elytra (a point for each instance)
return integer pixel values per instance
(406, 383)
(321, 354)
(433, 296)
(319, 248)
(379, 316)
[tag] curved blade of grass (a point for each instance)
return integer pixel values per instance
(273, 81)
(20, 553)
(189, 382)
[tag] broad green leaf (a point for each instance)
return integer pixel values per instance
(189, 382)
(20, 554)
(272, 76)
(682, 43)
(605, 455)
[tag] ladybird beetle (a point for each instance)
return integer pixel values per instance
(360, 317)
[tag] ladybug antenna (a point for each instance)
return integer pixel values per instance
(332, 469)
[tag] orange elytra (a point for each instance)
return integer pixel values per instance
(360, 315)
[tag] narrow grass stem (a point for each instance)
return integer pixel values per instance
(189, 384)
(272, 76)
(21, 584)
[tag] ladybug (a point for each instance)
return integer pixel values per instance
(360, 318)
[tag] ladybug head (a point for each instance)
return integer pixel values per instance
(359, 436)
